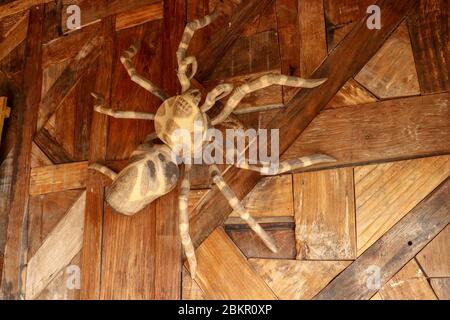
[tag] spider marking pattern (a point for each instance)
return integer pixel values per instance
(153, 170)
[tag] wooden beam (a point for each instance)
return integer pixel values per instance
(57, 251)
(51, 148)
(128, 19)
(394, 249)
(14, 37)
(224, 39)
(91, 254)
(15, 251)
(57, 178)
(353, 53)
(13, 7)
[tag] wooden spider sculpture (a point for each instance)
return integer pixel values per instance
(153, 170)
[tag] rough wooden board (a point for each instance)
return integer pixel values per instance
(252, 246)
(297, 280)
(6, 170)
(58, 178)
(408, 284)
(53, 23)
(441, 287)
(385, 193)
(428, 26)
(38, 158)
(340, 66)
(224, 273)
(394, 249)
(434, 259)
(324, 205)
(131, 18)
(190, 289)
(15, 36)
(313, 42)
(412, 127)
(27, 110)
(13, 7)
(194, 198)
(392, 72)
(352, 93)
(60, 247)
(272, 196)
(91, 254)
(52, 148)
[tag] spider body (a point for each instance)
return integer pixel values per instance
(153, 169)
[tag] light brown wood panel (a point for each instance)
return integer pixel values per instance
(441, 287)
(271, 197)
(297, 280)
(190, 289)
(411, 127)
(408, 284)
(434, 259)
(392, 71)
(385, 193)
(352, 93)
(58, 178)
(324, 206)
(224, 273)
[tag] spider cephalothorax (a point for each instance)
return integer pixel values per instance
(153, 168)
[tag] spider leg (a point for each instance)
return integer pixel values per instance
(183, 61)
(137, 78)
(104, 170)
(240, 209)
(186, 240)
(265, 81)
(288, 165)
(100, 108)
(220, 91)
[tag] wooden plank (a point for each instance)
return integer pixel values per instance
(351, 94)
(91, 254)
(71, 75)
(224, 273)
(13, 7)
(357, 48)
(38, 158)
(441, 287)
(190, 289)
(297, 280)
(58, 178)
(102, 9)
(392, 71)
(394, 249)
(224, 39)
(48, 144)
(408, 284)
(57, 251)
(132, 18)
(385, 193)
(434, 259)
(14, 37)
(5, 112)
(412, 127)
(428, 27)
(325, 215)
(313, 42)
(15, 255)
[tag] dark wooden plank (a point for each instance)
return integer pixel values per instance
(14, 37)
(429, 31)
(353, 53)
(224, 39)
(51, 147)
(394, 249)
(16, 245)
(53, 23)
(91, 253)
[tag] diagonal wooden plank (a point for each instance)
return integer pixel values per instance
(15, 251)
(348, 58)
(13, 7)
(394, 249)
(58, 249)
(15, 36)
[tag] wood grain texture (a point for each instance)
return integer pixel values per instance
(412, 127)
(324, 205)
(297, 280)
(340, 65)
(434, 259)
(395, 248)
(408, 284)
(351, 94)
(132, 18)
(392, 71)
(385, 193)
(224, 273)
(441, 287)
(190, 289)
(428, 26)
(15, 36)
(13, 7)
(57, 251)
(58, 178)
(15, 250)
